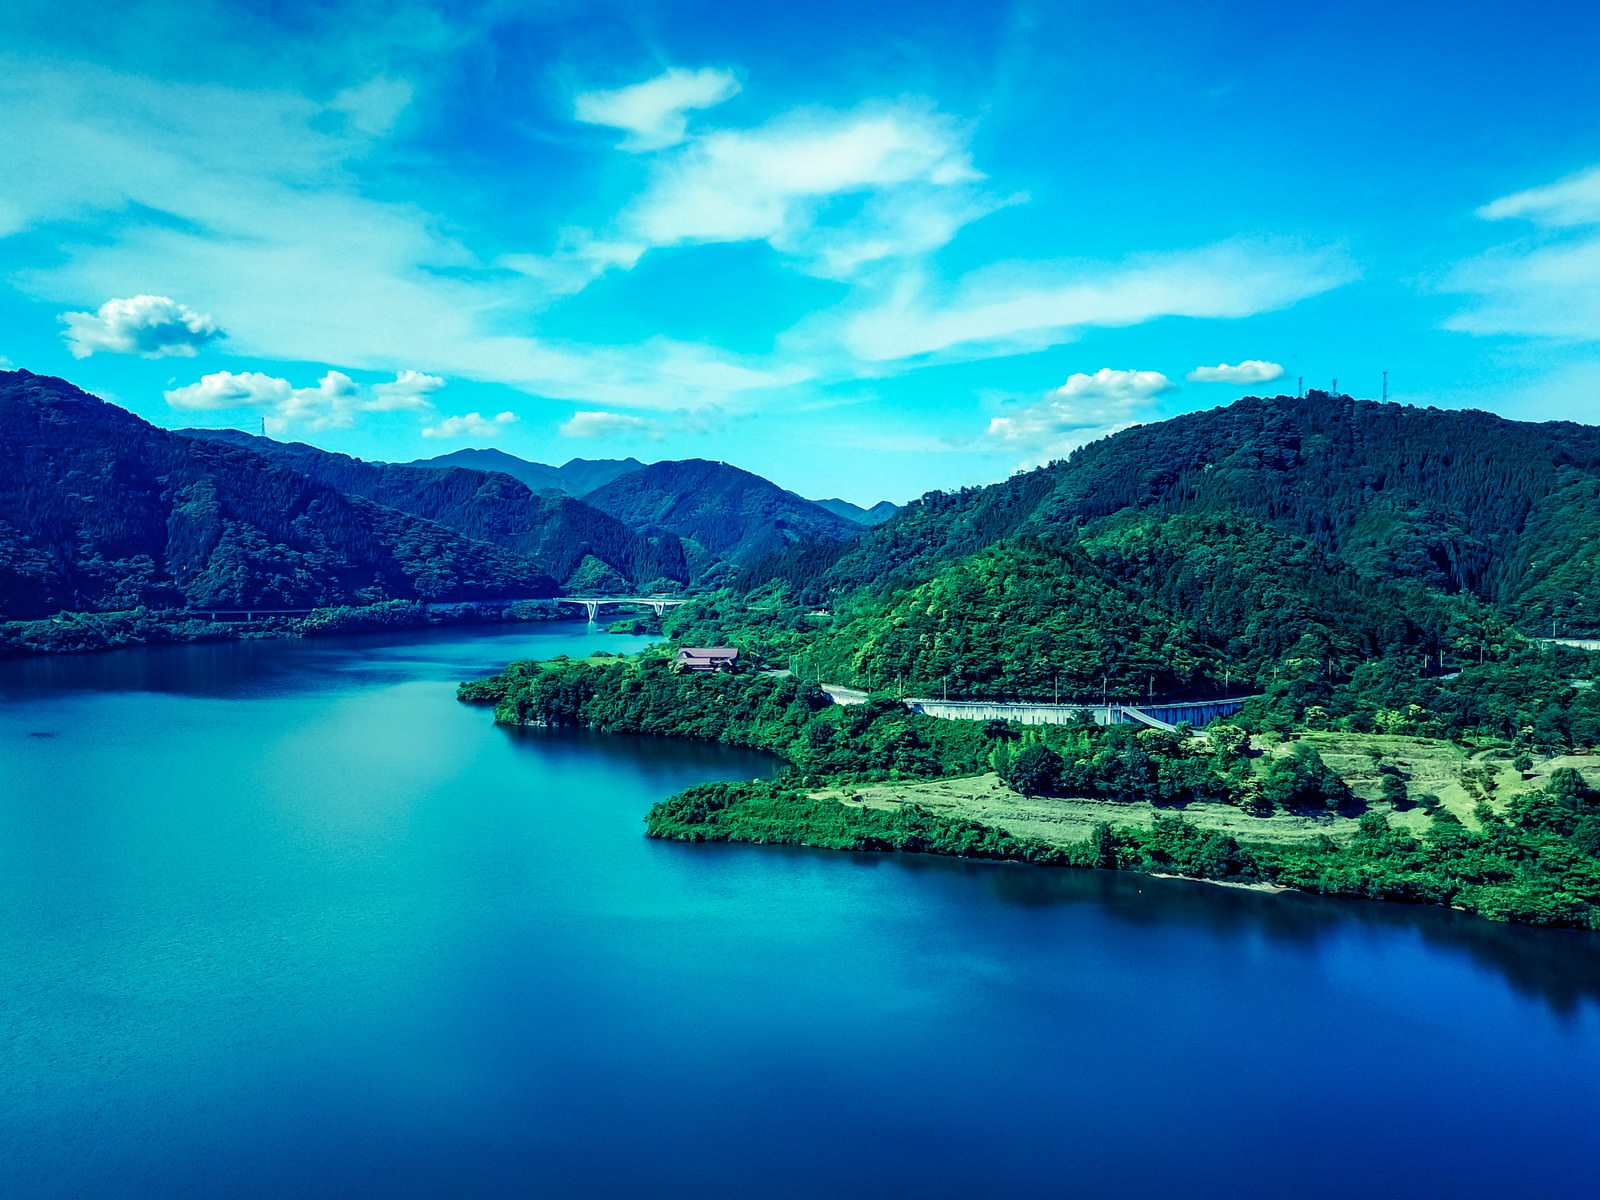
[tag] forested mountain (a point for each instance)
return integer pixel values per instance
(728, 512)
(876, 515)
(1458, 501)
(100, 510)
(1287, 539)
(574, 477)
(578, 545)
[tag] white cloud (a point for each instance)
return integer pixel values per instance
(249, 202)
(373, 107)
(1544, 286)
(1545, 291)
(772, 183)
(579, 258)
(151, 326)
(1081, 410)
(224, 389)
(1574, 200)
(6, 364)
(1251, 370)
(410, 391)
(607, 424)
(332, 404)
(1109, 384)
(653, 112)
(1016, 307)
(471, 425)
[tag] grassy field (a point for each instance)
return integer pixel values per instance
(1454, 774)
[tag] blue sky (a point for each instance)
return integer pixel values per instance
(864, 250)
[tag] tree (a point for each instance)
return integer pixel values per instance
(1394, 790)
(1228, 742)
(1103, 845)
(1523, 763)
(1035, 771)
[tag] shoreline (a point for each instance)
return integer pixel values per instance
(1262, 885)
(95, 633)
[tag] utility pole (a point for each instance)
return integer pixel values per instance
(1386, 387)
(1300, 387)
(1336, 386)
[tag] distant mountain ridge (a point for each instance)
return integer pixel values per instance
(727, 511)
(100, 511)
(574, 477)
(575, 543)
(870, 517)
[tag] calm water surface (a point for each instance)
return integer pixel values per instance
(284, 919)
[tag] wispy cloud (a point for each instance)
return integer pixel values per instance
(1023, 306)
(245, 202)
(654, 113)
(608, 424)
(1574, 200)
(151, 326)
(409, 392)
(1547, 285)
(907, 165)
(1251, 370)
(333, 403)
(1081, 410)
(471, 425)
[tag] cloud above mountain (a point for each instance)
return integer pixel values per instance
(471, 425)
(608, 424)
(1084, 408)
(151, 326)
(1251, 370)
(334, 403)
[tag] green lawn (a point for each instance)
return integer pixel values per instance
(1433, 766)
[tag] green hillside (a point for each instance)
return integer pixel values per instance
(102, 511)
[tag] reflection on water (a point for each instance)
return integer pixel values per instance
(1559, 967)
(254, 667)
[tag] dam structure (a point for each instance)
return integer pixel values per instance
(1197, 713)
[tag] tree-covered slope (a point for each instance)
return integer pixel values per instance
(561, 534)
(1456, 501)
(730, 513)
(100, 510)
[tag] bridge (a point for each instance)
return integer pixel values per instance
(591, 604)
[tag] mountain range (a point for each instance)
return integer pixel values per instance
(1216, 545)
(1316, 535)
(100, 510)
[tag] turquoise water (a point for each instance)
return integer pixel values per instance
(284, 919)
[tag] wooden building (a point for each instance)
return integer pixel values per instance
(707, 658)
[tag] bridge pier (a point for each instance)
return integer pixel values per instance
(592, 607)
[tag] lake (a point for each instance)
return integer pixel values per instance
(283, 919)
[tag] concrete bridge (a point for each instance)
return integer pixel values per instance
(1578, 643)
(1197, 713)
(591, 604)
